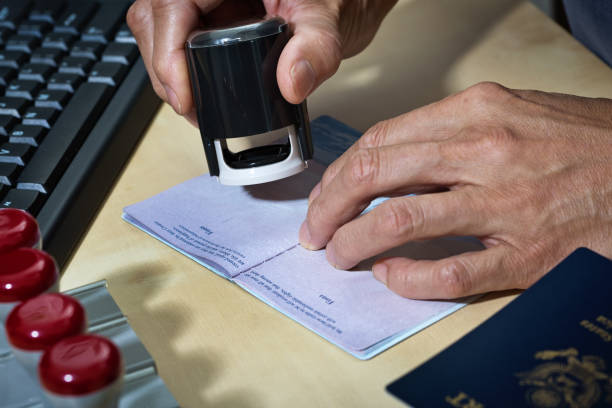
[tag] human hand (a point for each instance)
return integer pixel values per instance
(325, 31)
(529, 173)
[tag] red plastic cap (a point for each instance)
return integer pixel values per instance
(17, 229)
(42, 321)
(79, 365)
(25, 273)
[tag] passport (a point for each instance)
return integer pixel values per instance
(550, 347)
(249, 235)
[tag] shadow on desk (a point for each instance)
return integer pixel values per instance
(406, 65)
(497, 295)
(167, 321)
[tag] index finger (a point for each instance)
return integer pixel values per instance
(371, 173)
(434, 122)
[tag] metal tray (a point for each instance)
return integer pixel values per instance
(142, 387)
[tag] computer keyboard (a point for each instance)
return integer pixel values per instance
(75, 100)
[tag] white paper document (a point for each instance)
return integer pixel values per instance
(249, 236)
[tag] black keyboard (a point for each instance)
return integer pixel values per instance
(75, 99)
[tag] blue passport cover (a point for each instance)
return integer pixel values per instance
(550, 347)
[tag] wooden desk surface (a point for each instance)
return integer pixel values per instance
(216, 345)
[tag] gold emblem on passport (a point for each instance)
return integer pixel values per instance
(567, 380)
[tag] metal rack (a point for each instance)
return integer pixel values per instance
(142, 387)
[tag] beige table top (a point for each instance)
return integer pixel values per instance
(216, 345)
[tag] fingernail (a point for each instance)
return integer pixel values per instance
(303, 78)
(305, 237)
(173, 100)
(314, 193)
(380, 272)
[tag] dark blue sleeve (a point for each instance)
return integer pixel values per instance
(591, 24)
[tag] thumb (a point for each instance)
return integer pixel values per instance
(312, 55)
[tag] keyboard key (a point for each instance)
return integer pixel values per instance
(35, 72)
(44, 117)
(60, 41)
(124, 35)
(27, 200)
(25, 43)
(6, 124)
(120, 52)
(55, 152)
(13, 106)
(76, 65)
(52, 99)
(16, 153)
(64, 82)
(23, 89)
(12, 12)
(87, 49)
(36, 46)
(47, 56)
(12, 59)
(104, 23)
(108, 73)
(74, 17)
(31, 135)
(7, 75)
(46, 10)
(35, 28)
(9, 173)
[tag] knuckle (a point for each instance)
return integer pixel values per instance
(137, 16)
(454, 278)
(485, 90)
(491, 144)
(399, 219)
(490, 88)
(364, 167)
(326, 179)
(400, 281)
(498, 143)
(375, 136)
(329, 174)
(480, 97)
